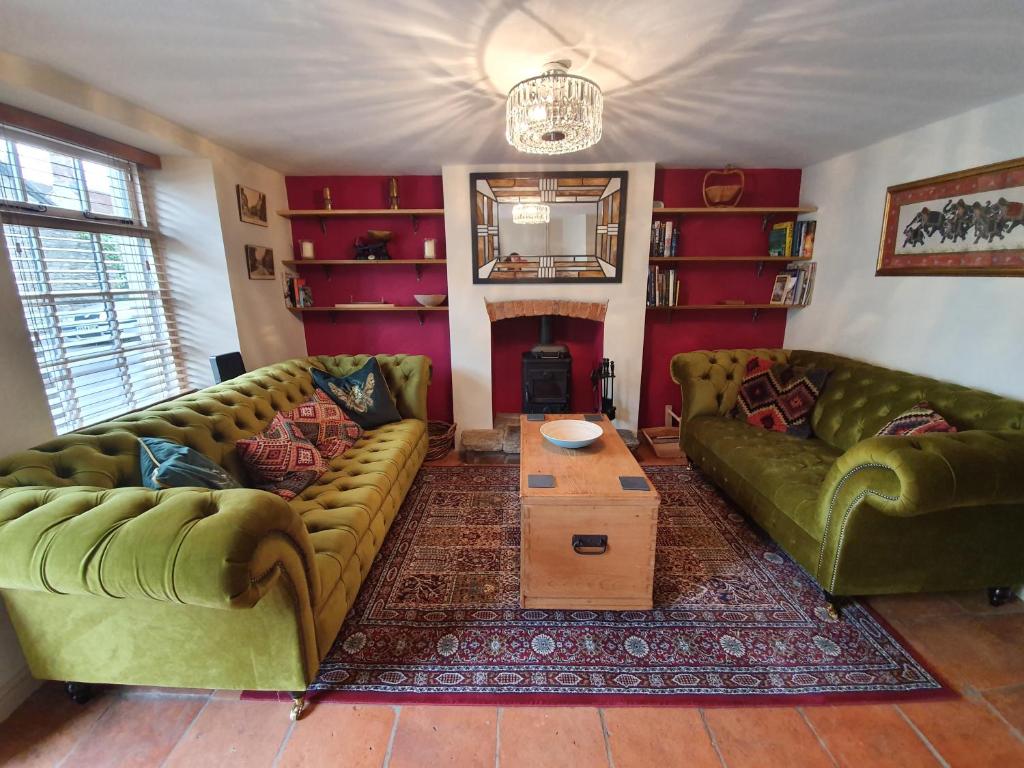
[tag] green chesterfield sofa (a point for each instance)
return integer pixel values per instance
(863, 514)
(109, 582)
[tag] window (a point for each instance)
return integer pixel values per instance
(89, 276)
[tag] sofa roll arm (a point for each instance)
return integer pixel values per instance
(709, 380)
(220, 549)
(914, 475)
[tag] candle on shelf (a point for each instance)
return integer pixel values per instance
(429, 248)
(327, 198)
(306, 249)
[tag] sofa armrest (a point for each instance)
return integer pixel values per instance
(710, 379)
(220, 549)
(914, 475)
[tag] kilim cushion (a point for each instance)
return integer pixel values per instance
(919, 420)
(325, 425)
(280, 459)
(779, 397)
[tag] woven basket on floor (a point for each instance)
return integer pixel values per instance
(441, 436)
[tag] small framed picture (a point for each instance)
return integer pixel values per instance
(260, 262)
(252, 206)
(779, 289)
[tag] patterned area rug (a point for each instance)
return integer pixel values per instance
(438, 618)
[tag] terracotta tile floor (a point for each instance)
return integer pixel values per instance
(977, 648)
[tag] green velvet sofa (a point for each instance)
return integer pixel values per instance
(865, 514)
(109, 582)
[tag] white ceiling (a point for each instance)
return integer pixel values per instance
(349, 86)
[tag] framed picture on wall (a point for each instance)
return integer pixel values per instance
(548, 227)
(965, 223)
(259, 261)
(252, 205)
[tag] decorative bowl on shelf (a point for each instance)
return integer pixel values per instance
(571, 433)
(430, 299)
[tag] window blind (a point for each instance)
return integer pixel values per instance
(85, 257)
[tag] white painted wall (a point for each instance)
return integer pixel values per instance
(962, 329)
(471, 328)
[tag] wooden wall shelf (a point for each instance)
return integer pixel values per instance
(678, 259)
(755, 308)
(368, 308)
(758, 210)
(329, 264)
(334, 213)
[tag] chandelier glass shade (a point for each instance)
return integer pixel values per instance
(531, 213)
(554, 113)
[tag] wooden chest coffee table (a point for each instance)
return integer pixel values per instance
(586, 542)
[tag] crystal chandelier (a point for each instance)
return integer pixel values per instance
(554, 113)
(531, 213)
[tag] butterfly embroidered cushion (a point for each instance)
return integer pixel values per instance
(325, 425)
(280, 459)
(919, 420)
(364, 394)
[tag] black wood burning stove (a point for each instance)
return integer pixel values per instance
(547, 374)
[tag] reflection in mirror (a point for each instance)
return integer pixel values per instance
(581, 241)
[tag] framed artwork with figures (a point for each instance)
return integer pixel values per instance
(965, 223)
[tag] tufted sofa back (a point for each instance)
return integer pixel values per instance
(711, 378)
(860, 398)
(211, 421)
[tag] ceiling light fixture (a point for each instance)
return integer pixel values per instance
(554, 113)
(531, 213)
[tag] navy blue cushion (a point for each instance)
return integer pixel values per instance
(363, 395)
(166, 464)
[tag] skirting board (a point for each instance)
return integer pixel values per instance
(16, 690)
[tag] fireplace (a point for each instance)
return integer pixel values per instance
(547, 374)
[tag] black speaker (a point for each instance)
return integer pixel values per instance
(226, 366)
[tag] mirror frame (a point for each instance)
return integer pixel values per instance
(475, 224)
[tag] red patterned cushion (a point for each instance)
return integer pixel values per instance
(325, 425)
(919, 420)
(779, 397)
(280, 459)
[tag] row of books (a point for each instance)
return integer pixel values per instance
(664, 239)
(662, 287)
(297, 293)
(792, 239)
(794, 285)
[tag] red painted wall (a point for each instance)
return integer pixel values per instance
(380, 333)
(668, 333)
(510, 338)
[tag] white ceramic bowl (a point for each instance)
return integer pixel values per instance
(571, 433)
(430, 299)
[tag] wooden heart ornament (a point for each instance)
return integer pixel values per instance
(723, 188)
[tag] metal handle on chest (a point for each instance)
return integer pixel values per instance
(589, 543)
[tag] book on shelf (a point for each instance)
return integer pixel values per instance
(794, 285)
(296, 292)
(807, 243)
(662, 287)
(664, 239)
(780, 239)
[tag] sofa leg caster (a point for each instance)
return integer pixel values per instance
(80, 693)
(298, 705)
(998, 596)
(834, 606)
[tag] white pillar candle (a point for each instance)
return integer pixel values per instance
(428, 249)
(306, 247)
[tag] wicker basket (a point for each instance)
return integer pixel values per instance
(441, 436)
(723, 195)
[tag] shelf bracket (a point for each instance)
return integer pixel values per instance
(760, 268)
(323, 225)
(327, 272)
(415, 223)
(334, 318)
(757, 313)
(419, 272)
(419, 315)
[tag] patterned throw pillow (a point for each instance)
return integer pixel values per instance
(325, 425)
(280, 459)
(364, 394)
(778, 397)
(919, 420)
